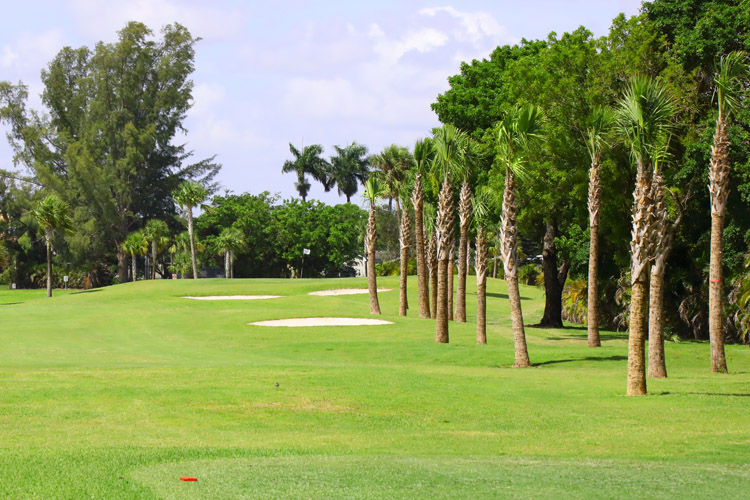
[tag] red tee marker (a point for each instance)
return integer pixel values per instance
(184, 478)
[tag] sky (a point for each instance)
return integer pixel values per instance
(306, 72)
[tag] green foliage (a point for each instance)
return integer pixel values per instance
(349, 167)
(307, 161)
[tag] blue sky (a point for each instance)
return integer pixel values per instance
(326, 72)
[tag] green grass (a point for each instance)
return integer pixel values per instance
(116, 393)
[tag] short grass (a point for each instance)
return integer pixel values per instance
(117, 392)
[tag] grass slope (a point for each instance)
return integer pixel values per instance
(116, 393)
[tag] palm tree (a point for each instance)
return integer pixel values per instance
(52, 215)
(307, 161)
(450, 146)
(432, 262)
(423, 155)
(348, 168)
(136, 244)
(373, 191)
(519, 127)
(644, 117)
(481, 210)
(393, 163)
(601, 121)
(230, 240)
(464, 218)
(729, 87)
(155, 231)
(404, 238)
(189, 195)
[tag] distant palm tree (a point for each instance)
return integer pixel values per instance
(423, 155)
(52, 215)
(348, 168)
(307, 161)
(644, 117)
(393, 163)
(230, 240)
(520, 126)
(373, 191)
(730, 82)
(481, 211)
(155, 231)
(600, 122)
(136, 245)
(189, 195)
(465, 174)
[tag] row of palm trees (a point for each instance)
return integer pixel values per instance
(644, 121)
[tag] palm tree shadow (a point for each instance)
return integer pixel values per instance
(86, 291)
(502, 296)
(724, 394)
(587, 358)
(584, 336)
(11, 303)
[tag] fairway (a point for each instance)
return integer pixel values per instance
(118, 392)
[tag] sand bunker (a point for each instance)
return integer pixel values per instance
(234, 297)
(347, 291)
(321, 322)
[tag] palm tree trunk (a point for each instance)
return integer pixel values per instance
(132, 259)
(444, 231)
(153, 258)
(508, 243)
(422, 278)
(404, 236)
(594, 204)
(372, 284)
(433, 264)
(122, 265)
(640, 254)
(464, 214)
(49, 264)
(718, 175)
(481, 268)
(657, 367)
(226, 264)
(451, 267)
(231, 264)
(192, 242)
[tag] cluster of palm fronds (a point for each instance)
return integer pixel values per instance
(575, 301)
(739, 304)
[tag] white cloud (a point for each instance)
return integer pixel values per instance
(327, 99)
(8, 57)
(423, 40)
(206, 97)
(476, 26)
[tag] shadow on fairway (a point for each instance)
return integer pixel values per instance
(11, 303)
(502, 296)
(86, 291)
(587, 358)
(723, 394)
(602, 336)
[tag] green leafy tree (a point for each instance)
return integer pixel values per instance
(52, 215)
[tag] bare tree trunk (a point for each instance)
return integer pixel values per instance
(594, 204)
(464, 214)
(226, 264)
(132, 257)
(231, 264)
(451, 267)
(444, 231)
(47, 238)
(372, 284)
(192, 242)
(433, 263)
(639, 271)
(508, 245)
(153, 258)
(554, 281)
(403, 303)
(494, 267)
(657, 367)
(122, 265)
(718, 176)
(481, 268)
(422, 278)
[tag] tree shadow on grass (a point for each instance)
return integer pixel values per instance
(725, 394)
(86, 291)
(584, 336)
(502, 296)
(587, 358)
(11, 303)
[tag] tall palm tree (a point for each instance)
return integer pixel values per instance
(393, 163)
(373, 191)
(230, 241)
(464, 218)
(516, 131)
(52, 215)
(644, 117)
(154, 231)
(189, 195)
(450, 146)
(729, 84)
(404, 237)
(431, 255)
(601, 122)
(423, 155)
(481, 210)
(348, 168)
(307, 161)
(136, 244)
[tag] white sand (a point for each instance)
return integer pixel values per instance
(347, 291)
(321, 322)
(234, 297)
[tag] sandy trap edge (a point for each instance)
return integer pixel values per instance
(297, 322)
(234, 297)
(347, 291)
